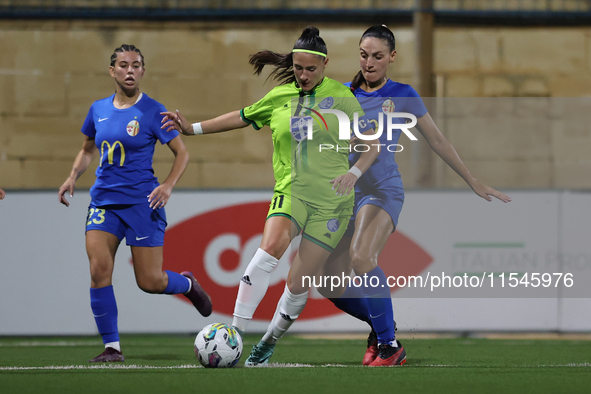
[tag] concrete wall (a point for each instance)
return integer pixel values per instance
(51, 72)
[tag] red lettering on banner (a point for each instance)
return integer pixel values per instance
(217, 246)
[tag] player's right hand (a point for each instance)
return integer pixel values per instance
(68, 186)
(176, 121)
(2, 194)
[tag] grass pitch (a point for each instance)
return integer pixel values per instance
(165, 364)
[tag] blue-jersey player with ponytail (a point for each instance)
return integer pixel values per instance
(379, 196)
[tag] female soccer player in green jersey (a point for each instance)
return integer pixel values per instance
(304, 197)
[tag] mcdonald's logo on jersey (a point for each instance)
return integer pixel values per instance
(111, 151)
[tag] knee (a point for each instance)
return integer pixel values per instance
(276, 246)
(100, 273)
(362, 262)
(151, 284)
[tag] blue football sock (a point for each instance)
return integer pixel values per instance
(177, 283)
(104, 308)
(379, 303)
(353, 303)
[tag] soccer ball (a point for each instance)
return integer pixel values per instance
(218, 346)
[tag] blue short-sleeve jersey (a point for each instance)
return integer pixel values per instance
(125, 139)
(392, 97)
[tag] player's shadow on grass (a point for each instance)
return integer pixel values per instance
(155, 357)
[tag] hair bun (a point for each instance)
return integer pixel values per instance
(310, 31)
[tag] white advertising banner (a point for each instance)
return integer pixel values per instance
(483, 266)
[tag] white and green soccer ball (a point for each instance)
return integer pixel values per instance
(218, 346)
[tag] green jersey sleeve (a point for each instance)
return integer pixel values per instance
(259, 114)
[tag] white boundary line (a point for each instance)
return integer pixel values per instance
(271, 365)
(50, 343)
(101, 366)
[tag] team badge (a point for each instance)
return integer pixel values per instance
(333, 225)
(133, 128)
(388, 106)
(300, 126)
(326, 103)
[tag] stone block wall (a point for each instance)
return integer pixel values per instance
(52, 71)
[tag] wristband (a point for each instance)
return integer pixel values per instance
(197, 129)
(355, 171)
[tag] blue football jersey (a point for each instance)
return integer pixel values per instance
(392, 97)
(125, 139)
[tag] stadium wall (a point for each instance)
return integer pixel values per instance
(45, 279)
(51, 71)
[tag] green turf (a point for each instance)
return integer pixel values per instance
(457, 365)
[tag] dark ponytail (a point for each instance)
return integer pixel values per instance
(309, 40)
(383, 33)
(126, 48)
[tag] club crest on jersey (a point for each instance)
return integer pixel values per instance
(333, 225)
(326, 103)
(388, 106)
(300, 127)
(133, 128)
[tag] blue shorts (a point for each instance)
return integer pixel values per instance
(138, 223)
(390, 199)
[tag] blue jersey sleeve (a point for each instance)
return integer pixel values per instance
(88, 128)
(414, 103)
(163, 136)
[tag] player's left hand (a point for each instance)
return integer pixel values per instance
(2, 194)
(487, 191)
(343, 184)
(159, 196)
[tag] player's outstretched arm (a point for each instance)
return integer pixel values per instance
(160, 195)
(81, 163)
(427, 127)
(176, 121)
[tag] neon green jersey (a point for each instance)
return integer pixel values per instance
(300, 167)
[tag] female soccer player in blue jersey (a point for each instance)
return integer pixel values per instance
(379, 195)
(304, 201)
(126, 199)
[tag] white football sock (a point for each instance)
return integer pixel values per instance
(252, 288)
(288, 310)
(114, 345)
(190, 285)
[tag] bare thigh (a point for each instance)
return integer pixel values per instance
(277, 235)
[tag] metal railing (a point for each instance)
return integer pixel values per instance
(409, 5)
(445, 11)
